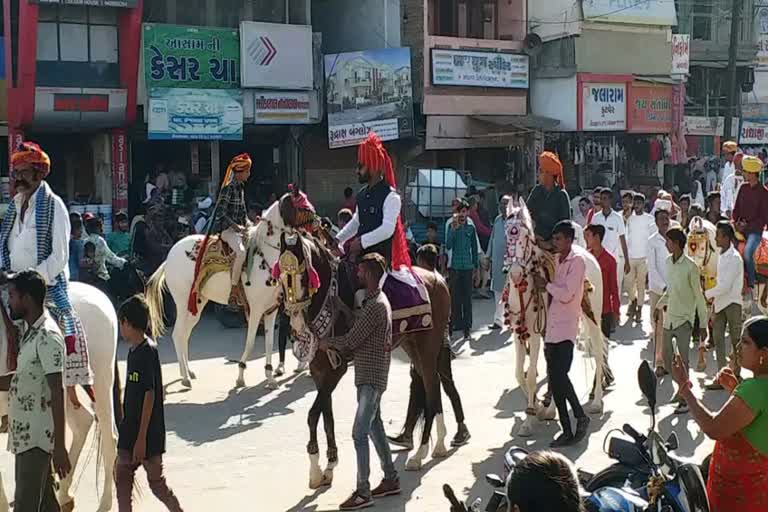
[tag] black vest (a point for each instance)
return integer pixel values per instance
(370, 213)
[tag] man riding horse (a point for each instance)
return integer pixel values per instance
(548, 201)
(231, 217)
(376, 227)
(35, 234)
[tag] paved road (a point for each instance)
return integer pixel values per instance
(228, 448)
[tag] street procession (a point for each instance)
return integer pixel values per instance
(412, 255)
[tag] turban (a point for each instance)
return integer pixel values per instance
(730, 146)
(550, 164)
(751, 164)
(373, 155)
(239, 163)
(30, 153)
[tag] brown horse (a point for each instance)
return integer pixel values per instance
(315, 316)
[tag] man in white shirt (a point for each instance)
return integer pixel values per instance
(726, 296)
(731, 184)
(657, 276)
(730, 148)
(640, 227)
(614, 241)
(35, 234)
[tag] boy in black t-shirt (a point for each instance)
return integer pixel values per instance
(141, 440)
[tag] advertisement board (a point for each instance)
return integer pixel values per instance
(636, 12)
(754, 132)
(276, 55)
(276, 107)
(708, 126)
(650, 108)
(119, 170)
(604, 106)
(195, 114)
(368, 91)
(479, 69)
(194, 57)
(681, 54)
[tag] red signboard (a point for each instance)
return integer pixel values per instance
(119, 170)
(81, 103)
(650, 108)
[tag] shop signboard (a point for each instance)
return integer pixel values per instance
(80, 106)
(604, 107)
(681, 54)
(368, 91)
(194, 57)
(276, 107)
(195, 114)
(707, 126)
(276, 55)
(119, 170)
(91, 3)
(636, 12)
(479, 69)
(650, 108)
(754, 132)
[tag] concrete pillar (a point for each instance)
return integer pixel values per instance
(215, 168)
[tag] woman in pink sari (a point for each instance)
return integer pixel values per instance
(738, 472)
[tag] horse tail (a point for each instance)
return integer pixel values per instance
(154, 295)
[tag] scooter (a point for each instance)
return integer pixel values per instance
(647, 479)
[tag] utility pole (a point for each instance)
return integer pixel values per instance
(734, 99)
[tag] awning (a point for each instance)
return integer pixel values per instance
(665, 80)
(529, 121)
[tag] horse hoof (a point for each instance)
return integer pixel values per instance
(440, 452)
(192, 375)
(315, 484)
(186, 383)
(240, 383)
(413, 465)
(327, 480)
(272, 384)
(595, 408)
(546, 415)
(68, 506)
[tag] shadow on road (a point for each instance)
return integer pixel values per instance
(237, 413)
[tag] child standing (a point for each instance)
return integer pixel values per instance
(141, 440)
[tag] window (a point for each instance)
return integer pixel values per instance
(77, 34)
(466, 18)
(190, 12)
(701, 24)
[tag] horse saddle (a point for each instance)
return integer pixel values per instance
(409, 298)
(218, 257)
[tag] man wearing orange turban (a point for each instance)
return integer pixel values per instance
(231, 218)
(35, 234)
(549, 202)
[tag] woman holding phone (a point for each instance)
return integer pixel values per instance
(738, 471)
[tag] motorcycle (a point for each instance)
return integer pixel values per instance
(647, 477)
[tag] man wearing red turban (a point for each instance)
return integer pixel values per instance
(376, 225)
(549, 202)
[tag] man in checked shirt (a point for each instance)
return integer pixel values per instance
(231, 218)
(370, 342)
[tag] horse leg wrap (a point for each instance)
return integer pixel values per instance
(242, 365)
(268, 367)
(313, 448)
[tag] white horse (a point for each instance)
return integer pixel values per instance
(178, 271)
(526, 312)
(100, 323)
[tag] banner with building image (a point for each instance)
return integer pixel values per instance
(368, 91)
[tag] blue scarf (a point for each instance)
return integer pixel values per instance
(44, 211)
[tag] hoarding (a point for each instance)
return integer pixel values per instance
(275, 107)
(636, 12)
(276, 55)
(368, 91)
(604, 106)
(479, 69)
(195, 114)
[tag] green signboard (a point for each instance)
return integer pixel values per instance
(194, 57)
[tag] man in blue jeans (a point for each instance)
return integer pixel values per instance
(370, 342)
(751, 212)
